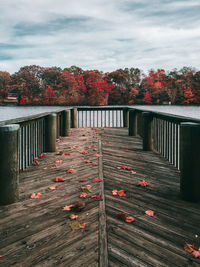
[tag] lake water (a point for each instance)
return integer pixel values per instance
(9, 112)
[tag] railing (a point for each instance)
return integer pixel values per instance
(101, 116)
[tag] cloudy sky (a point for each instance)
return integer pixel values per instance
(100, 34)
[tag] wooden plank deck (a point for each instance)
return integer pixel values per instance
(36, 232)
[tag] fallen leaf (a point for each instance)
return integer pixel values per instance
(121, 193)
(126, 150)
(95, 164)
(98, 155)
(149, 212)
(129, 219)
(66, 154)
(72, 147)
(96, 197)
(58, 161)
(94, 149)
(57, 147)
(123, 167)
(89, 147)
(75, 225)
(20, 170)
(68, 207)
(107, 143)
(53, 187)
(82, 180)
(189, 248)
(42, 156)
(84, 152)
(196, 253)
(86, 189)
(73, 217)
(119, 168)
(36, 195)
(115, 192)
(71, 171)
(1, 256)
(83, 195)
(37, 163)
(59, 179)
(88, 161)
(82, 225)
(128, 169)
(143, 183)
(97, 180)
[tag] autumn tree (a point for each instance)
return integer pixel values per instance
(4, 83)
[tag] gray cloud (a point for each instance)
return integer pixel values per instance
(95, 34)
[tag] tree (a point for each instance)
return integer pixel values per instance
(4, 83)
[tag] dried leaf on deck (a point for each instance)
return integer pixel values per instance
(149, 212)
(68, 208)
(189, 248)
(53, 187)
(83, 195)
(97, 180)
(59, 179)
(75, 225)
(143, 183)
(96, 197)
(35, 195)
(95, 164)
(71, 171)
(129, 219)
(73, 217)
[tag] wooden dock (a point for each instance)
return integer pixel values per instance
(37, 232)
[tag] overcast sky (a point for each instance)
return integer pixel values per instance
(100, 34)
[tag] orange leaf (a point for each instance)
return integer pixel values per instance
(107, 143)
(97, 180)
(121, 193)
(143, 183)
(98, 155)
(68, 207)
(83, 195)
(82, 180)
(53, 187)
(71, 171)
(149, 212)
(115, 192)
(129, 219)
(59, 179)
(36, 196)
(73, 217)
(82, 225)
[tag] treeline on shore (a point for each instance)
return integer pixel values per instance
(35, 85)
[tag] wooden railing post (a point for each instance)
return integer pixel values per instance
(126, 117)
(132, 122)
(66, 122)
(147, 131)
(190, 161)
(74, 118)
(9, 163)
(50, 133)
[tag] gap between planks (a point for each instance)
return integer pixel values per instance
(103, 245)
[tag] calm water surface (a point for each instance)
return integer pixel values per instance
(7, 113)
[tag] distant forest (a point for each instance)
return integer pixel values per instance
(35, 85)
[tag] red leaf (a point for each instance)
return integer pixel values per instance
(36, 195)
(59, 179)
(123, 167)
(42, 156)
(196, 253)
(83, 195)
(72, 147)
(126, 150)
(94, 149)
(53, 187)
(68, 207)
(128, 168)
(96, 197)
(149, 212)
(95, 164)
(71, 171)
(84, 152)
(20, 170)
(129, 219)
(37, 163)
(121, 193)
(107, 143)
(98, 155)
(82, 180)
(1, 256)
(189, 248)
(97, 180)
(143, 183)
(88, 161)
(89, 147)
(73, 217)
(66, 154)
